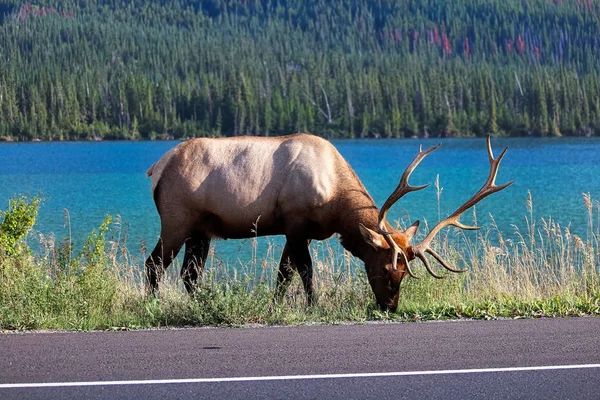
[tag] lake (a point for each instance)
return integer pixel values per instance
(94, 179)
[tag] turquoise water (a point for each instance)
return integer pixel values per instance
(92, 180)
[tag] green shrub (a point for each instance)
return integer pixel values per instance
(17, 221)
(55, 289)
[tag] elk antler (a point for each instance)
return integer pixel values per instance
(402, 189)
(488, 188)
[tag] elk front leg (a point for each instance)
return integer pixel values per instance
(301, 255)
(196, 251)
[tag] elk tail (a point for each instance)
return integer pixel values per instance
(149, 172)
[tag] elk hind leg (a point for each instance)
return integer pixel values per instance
(287, 266)
(161, 257)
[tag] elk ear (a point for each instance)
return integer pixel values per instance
(410, 232)
(372, 238)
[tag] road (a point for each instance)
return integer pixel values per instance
(543, 358)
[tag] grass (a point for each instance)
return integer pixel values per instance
(545, 271)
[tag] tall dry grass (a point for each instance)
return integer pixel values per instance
(545, 270)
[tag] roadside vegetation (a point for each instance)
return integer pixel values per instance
(45, 283)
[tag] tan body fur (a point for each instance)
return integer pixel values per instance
(221, 187)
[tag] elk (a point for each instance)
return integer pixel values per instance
(301, 187)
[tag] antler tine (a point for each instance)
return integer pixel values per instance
(397, 251)
(403, 187)
(421, 257)
(494, 164)
(442, 262)
(489, 187)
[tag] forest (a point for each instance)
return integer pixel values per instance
(134, 69)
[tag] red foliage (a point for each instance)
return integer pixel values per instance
(391, 35)
(520, 45)
(436, 35)
(509, 47)
(398, 35)
(27, 10)
(467, 47)
(446, 44)
(587, 4)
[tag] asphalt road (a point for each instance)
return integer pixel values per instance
(445, 360)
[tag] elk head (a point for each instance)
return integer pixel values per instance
(390, 261)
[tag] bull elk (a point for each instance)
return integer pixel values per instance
(301, 187)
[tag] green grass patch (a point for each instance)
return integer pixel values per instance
(544, 272)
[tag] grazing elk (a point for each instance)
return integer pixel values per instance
(301, 187)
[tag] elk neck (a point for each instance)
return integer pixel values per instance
(357, 209)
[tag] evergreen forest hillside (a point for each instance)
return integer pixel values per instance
(134, 69)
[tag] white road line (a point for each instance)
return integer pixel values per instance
(291, 377)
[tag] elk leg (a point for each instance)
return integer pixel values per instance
(287, 265)
(161, 257)
(196, 251)
(299, 249)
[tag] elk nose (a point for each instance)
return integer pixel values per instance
(388, 306)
